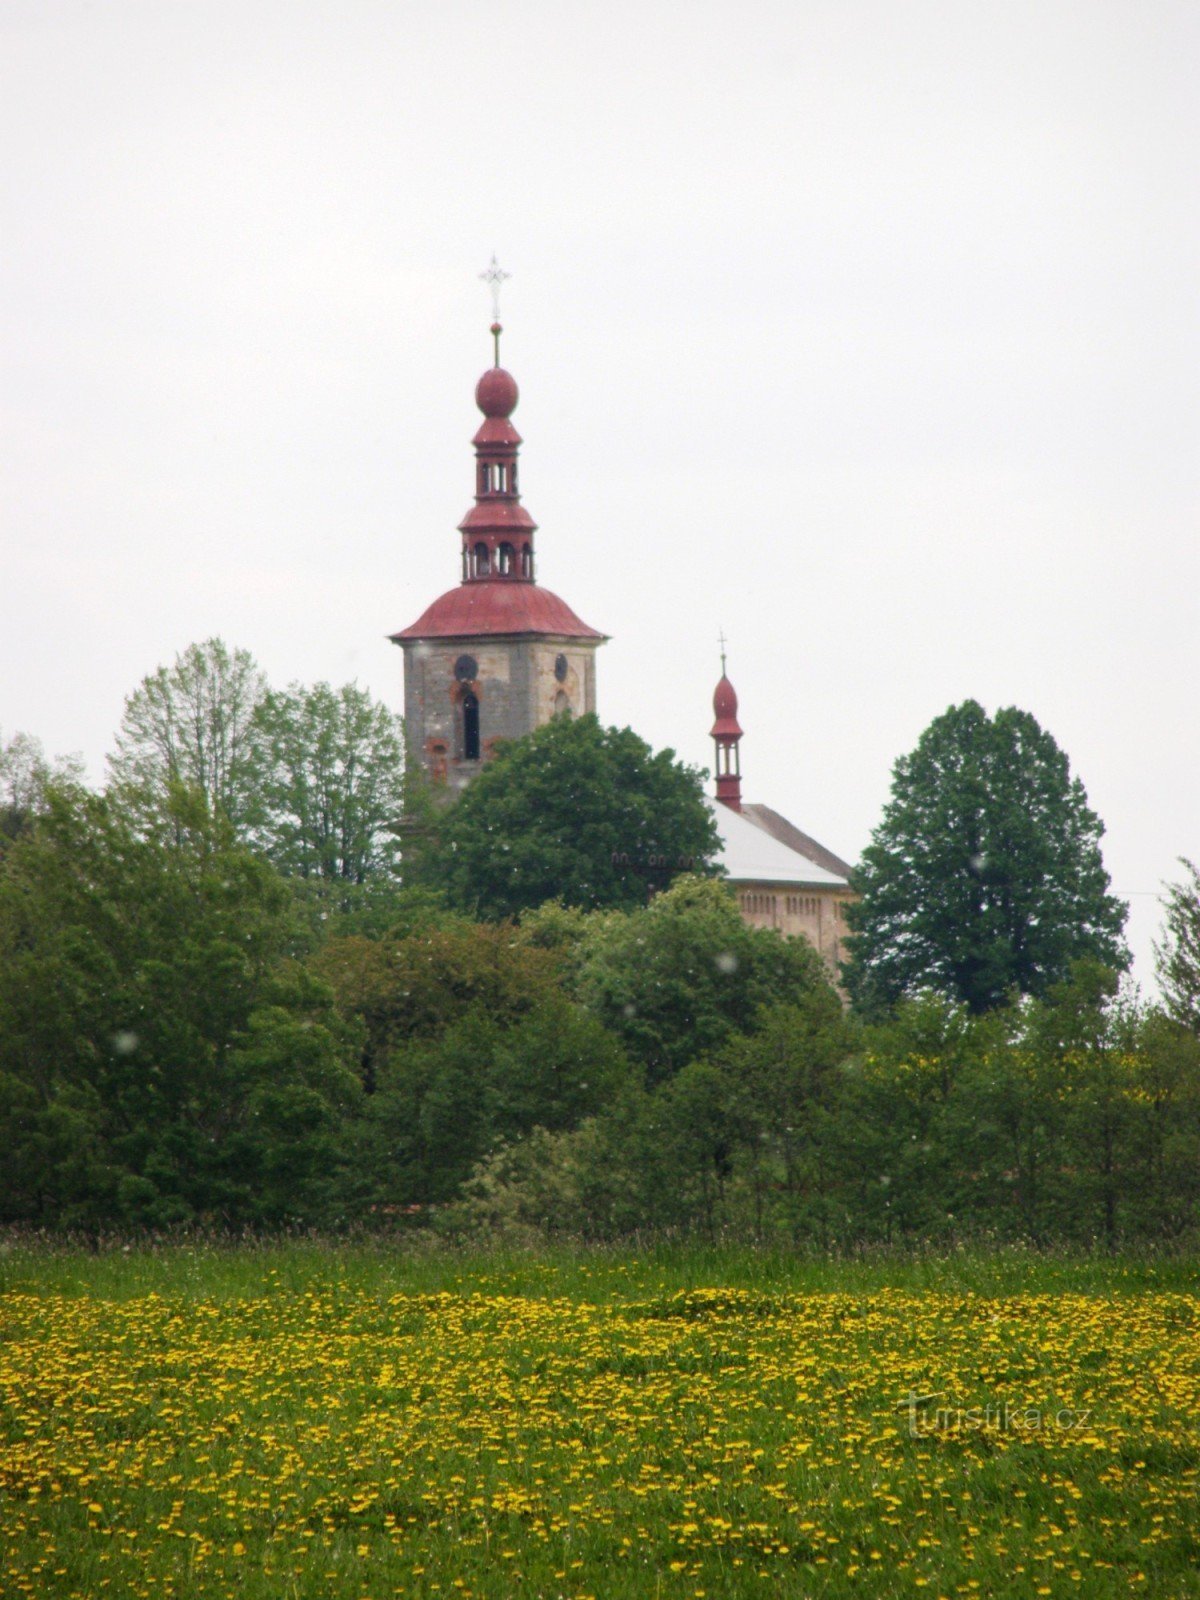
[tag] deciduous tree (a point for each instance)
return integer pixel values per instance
(576, 812)
(985, 876)
(25, 772)
(327, 784)
(676, 978)
(1177, 957)
(163, 1057)
(193, 724)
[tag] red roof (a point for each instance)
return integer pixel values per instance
(501, 606)
(725, 707)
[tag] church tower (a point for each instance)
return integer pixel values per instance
(498, 655)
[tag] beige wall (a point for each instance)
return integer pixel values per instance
(815, 914)
(579, 685)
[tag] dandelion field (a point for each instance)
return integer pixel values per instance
(293, 1422)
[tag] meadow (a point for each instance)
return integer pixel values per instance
(358, 1421)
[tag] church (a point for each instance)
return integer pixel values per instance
(499, 655)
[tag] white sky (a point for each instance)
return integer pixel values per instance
(867, 332)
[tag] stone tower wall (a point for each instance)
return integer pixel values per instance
(515, 683)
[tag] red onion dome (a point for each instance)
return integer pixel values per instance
(725, 706)
(725, 700)
(496, 393)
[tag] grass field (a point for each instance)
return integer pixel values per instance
(363, 1422)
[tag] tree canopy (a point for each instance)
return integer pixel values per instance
(328, 780)
(26, 772)
(1177, 956)
(985, 875)
(192, 723)
(312, 777)
(576, 812)
(674, 979)
(163, 1055)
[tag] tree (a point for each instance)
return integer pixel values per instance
(786, 1073)
(163, 1056)
(194, 724)
(328, 778)
(985, 876)
(426, 974)
(26, 772)
(442, 1104)
(1177, 958)
(576, 812)
(676, 978)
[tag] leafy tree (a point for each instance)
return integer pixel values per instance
(1086, 1037)
(985, 876)
(573, 811)
(193, 724)
(328, 777)
(25, 773)
(674, 980)
(1177, 958)
(787, 1088)
(702, 1132)
(425, 975)
(1167, 1095)
(162, 1055)
(443, 1104)
(546, 1184)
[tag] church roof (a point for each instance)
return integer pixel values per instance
(750, 854)
(498, 607)
(787, 833)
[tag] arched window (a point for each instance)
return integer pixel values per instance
(506, 560)
(470, 727)
(481, 561)
(526, 562)
(562, 706)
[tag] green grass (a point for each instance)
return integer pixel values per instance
(365, 1420)
(417, 1265)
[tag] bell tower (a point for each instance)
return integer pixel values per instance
(498, 655)
(727, 736)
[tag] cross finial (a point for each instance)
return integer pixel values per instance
(722, 641)
(494, 277)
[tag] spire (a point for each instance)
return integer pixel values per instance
(494, 276)
(497, 532)
(727, 733)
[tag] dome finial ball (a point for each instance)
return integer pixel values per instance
(496, 393)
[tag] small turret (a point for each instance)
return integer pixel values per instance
(727, 733)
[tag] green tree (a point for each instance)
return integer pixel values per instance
(193, 724)
(1177, 957)
(25, 773)
(787, 1079)
(327, 785)
(163, 1056)
(1084, 1037)
(1167, 1095)
(426, 974)
(985, 876)
(443, 1104)
(573, 811)
(675, 979)
(701, 1134)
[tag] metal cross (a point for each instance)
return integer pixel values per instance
(494, 278)
(722, 641)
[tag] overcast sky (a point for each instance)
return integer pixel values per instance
(866, 332)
